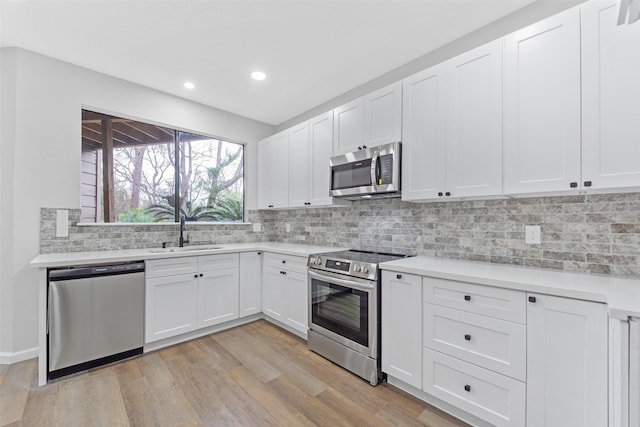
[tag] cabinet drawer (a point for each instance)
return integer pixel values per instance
(170, 266)
(505, 304)
(286, 262)
(490, 343)
(492, 397)
(218, 262)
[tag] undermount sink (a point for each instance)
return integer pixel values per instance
(184, 249)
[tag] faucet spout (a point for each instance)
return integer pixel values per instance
(183, 228)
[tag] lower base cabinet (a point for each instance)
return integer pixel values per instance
(567, 348)
(509, 358)
(250, 300)
(285, 290)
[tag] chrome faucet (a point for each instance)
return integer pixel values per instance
(183, 228)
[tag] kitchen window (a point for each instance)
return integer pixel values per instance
(131, 172)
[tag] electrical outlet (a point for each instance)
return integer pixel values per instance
(257, 227)
(62, 223)
(287, 228)
(532, 235)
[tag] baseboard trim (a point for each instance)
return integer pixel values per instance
(11, 358)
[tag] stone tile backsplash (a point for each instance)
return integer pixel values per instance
(584, 233)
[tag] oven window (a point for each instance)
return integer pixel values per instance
(341, 310)
(351, 175)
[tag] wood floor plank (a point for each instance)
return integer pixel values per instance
(14, 390)
(252, 375)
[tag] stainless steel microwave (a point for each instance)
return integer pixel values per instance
(367, 173)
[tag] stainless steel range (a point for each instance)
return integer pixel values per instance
(344, 309)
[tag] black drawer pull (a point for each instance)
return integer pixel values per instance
(573, 184)
(467, 297)
(532, 299)
(398, 276)
(440, 194)
(447, 194)
(467, 337)
(201, 274)
(283, 272)
(195, 275)
(284, 262)
(587, 184)
(467, 387)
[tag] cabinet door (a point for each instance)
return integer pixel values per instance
(610, 98)
(274, 293)
(299, 161)
(266, 159)
(383, 116)
(423, 130)
(542, 105)
(250, 299)
(566, 362)
(348, 127)
(474, 122)
(297, 301)
(321, 146)
(280, 171)
(170, 306)
(217, 296)
(402, 327)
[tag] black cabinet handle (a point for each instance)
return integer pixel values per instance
(398, 276)
(573, 184)
(284, 261)
(359, 148)
(259, 253)
(467, 297)
(283, 272)
(587, 184)
(439, 193)
(270, 206)
(467, 387)
(447, 194)
(195, 275)
(467, 337)
(364, 146)
(532, 299)
(201, 274)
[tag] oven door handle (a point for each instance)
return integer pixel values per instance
(342, 282)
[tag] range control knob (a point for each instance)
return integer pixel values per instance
(356, 268)
(365, 269)
(312, 260)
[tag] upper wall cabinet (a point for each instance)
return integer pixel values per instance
(321, 150)
(452, 127)
(542, 106)
(610, 98)
(372, 120)
(299, 160)
(273, 171)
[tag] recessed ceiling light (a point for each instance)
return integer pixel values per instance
(189, 85)
(258, 75)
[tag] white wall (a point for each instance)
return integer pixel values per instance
(40, 162)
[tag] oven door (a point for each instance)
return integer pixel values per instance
(344, 310)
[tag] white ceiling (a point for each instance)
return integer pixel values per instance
(311, 50)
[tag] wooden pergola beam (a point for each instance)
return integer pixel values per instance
(108, 192)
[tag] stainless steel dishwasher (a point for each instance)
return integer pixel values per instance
(95, 316)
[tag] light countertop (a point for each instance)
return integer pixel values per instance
(100, 257)
(622, 295)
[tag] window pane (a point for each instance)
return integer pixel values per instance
(211, 179)
(140, 180)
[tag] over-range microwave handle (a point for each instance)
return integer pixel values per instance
(342, 282)
(374, 168)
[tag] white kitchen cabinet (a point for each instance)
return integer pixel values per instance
(285, 291)
(423, 131)
(383, 116)
(372, 120)
(170, 306)
(401, 337)
(474, 122)
(297, 300)
(273, 171)
(610, 98)
(250, 292)
(566, 362)
(452, 127)
(299, 161)
(542, 106)
(321, 149)
(184, 294)
(348, 127)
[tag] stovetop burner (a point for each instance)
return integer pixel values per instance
(364, 256)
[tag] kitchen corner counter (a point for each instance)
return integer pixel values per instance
(622, 295)
(100, 257)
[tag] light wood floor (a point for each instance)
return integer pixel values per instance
(252, 375)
